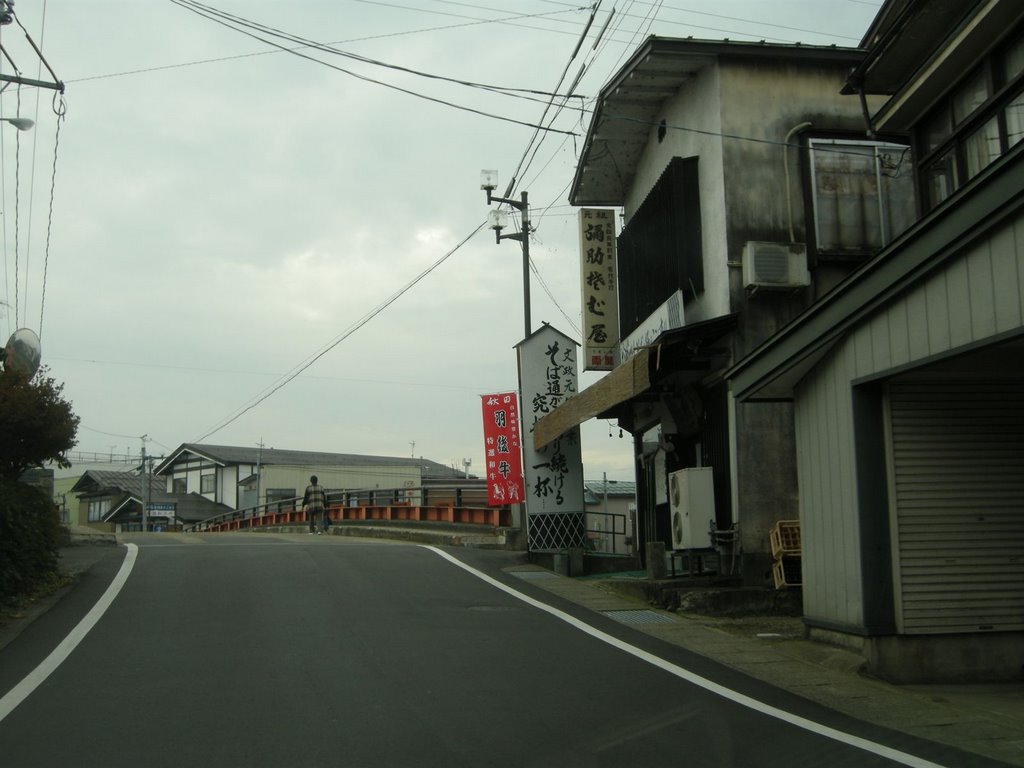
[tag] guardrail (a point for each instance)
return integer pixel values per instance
(425, 504)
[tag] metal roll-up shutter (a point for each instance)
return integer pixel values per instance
(957, 469)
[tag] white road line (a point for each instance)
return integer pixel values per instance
(897, 756)
(35, 678)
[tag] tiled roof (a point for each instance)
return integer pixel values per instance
(615, 488)
(229, 454)
(98, 481)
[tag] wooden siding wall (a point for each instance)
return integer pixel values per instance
(973, 299)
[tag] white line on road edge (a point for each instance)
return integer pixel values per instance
(881, 750)
(35, 678)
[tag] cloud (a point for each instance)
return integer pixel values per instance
(216, 225)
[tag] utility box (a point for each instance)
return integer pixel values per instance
(691, 497)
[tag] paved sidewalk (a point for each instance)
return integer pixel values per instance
(984, 719)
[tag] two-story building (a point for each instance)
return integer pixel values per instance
(243, 477)
(906, 380)
(749, 189)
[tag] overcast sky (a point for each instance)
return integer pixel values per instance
(224, 211)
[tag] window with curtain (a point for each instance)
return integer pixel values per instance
(978, 122)
(862, 195)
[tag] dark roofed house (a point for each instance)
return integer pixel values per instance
(113, 501)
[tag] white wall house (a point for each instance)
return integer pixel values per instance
(231, 475)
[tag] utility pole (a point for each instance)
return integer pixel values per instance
(488, 183)
(259, 461)
(145, 484)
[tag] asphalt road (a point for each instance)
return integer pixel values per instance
(329, 651)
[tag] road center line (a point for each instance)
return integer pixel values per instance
(897, 756)
(35, 678)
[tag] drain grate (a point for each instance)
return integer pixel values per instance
(639, 617)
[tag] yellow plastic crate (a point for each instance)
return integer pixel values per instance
(785, 538)
(787, 571)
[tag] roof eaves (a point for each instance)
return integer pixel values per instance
(655, 72)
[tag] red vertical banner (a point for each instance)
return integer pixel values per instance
(502, 449)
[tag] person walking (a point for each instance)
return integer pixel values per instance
(314, 504)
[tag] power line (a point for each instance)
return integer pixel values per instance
(237, 372)
(254, 54)
(520, 167)
(472, 21)
(329, 48)
(223, 19)
(335, 342)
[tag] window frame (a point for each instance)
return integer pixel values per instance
(99, 508)
(1004, 90)
(278, 495)
(887, 226)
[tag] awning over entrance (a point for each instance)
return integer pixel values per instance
(634, 377)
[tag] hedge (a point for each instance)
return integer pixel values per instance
(29, 540)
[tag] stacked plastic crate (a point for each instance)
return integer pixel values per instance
(786, 568)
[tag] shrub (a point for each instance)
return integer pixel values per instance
(29, 540)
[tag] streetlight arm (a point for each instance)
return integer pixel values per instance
(519, 205)
(523, 236)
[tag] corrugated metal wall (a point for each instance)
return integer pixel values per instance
(979, 296)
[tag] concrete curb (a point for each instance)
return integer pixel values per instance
(458, 537)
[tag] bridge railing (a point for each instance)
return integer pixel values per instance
(437, 504)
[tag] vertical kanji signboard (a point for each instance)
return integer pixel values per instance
(502, 449)
(554, 474)
(598, 282)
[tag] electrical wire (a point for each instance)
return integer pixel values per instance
(609, 37)
(238, 372)
(21, 296)
(201, 10)
(519, 169)
(329, 48)
(289, 377)
(17, 218)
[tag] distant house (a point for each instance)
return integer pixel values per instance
(243, 478)
(610, 506)
(113, 501)
(65, 478)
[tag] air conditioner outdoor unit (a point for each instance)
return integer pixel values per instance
(775, 265)
(691, 501)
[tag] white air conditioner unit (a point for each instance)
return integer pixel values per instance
(691, 501)
(775, 265)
